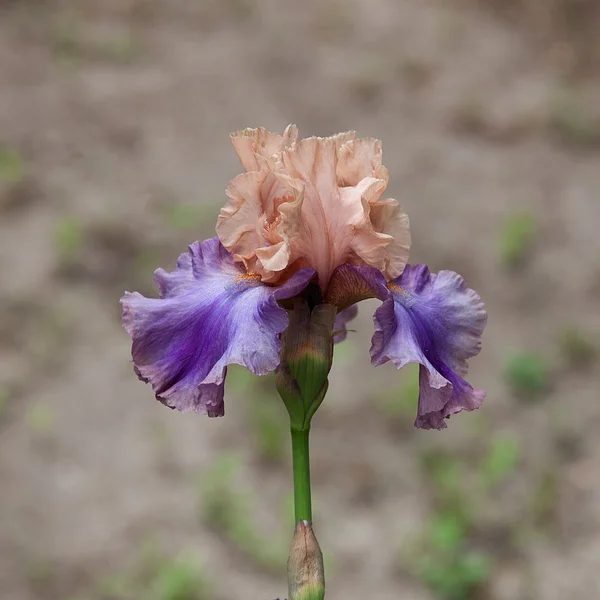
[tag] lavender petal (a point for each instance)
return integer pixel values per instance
(210, 314)
(436, 321)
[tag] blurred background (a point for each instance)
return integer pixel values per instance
(114, 155)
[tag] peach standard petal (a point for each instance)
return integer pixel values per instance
(258, 220)
(389, 219)
(360, 158)
(255, 147)
(314, 202)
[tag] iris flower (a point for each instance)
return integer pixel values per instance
(307, 218)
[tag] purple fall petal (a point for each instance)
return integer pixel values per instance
(341, 321)
(434, 320)
(210, 314)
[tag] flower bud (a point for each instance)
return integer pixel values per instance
(306, 358)
(306, 576)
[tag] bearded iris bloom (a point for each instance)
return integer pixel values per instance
(307, 219)
(305, 235)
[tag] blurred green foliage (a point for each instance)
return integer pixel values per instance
(442, 558)
(345, 352)
(155, 577)
(72, 42)
(446, 473)
(527, 374)
(68, 236)
(456, 574)
(400, 403)
(188, 216)
(12, 167)
(47, 349)
(40, 418)
(500, 461)
(516, 237)
(271, 428)
(445, 561)
(221, 503)
(178, 581)
(448, 531)
(266, 413)
(446, 556)
(239, 379)
(226, 508)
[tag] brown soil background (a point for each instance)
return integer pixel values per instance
(119, 112)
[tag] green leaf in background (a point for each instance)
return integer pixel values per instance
(516, 236)
(12, 167)
(447, 532)
(68, 236)
(457, 577)
(186, 216)
(527, 375)
(501, 460)
(401, 401)
(179, 581)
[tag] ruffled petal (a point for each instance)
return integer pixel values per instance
(313, 202)
(256, 147)
(325, 215)
(260, 220)
(210, 314)
(237, 223)
(434, 320)
(360, 158)
(336, 221)
(390, 220)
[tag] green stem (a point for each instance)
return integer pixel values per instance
(301, 467)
